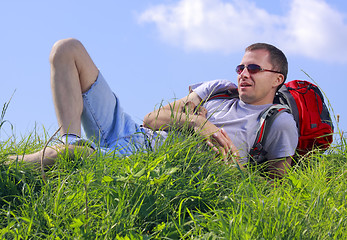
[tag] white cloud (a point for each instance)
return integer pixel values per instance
(311, 28)
(316, 30)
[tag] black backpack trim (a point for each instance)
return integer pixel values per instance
(227, 94)
(267, 117)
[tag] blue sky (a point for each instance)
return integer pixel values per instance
(151, 50)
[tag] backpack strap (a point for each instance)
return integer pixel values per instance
(267, 117)
(284, 97)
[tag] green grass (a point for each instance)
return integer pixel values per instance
(181, 191)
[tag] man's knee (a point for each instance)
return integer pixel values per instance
(64, 49)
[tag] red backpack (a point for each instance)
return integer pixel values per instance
(305, 102)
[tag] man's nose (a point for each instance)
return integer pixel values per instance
(244, 73)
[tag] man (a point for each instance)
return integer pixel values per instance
(261, 73)
(82, 96)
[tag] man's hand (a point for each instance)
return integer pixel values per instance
(222, 144)
(218, 139)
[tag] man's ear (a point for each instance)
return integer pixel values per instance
(279, 80)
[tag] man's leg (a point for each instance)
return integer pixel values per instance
(72, 73)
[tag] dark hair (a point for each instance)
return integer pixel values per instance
(277, 57)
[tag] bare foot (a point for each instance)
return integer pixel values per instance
(49, 155)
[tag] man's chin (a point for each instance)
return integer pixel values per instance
(246, 99)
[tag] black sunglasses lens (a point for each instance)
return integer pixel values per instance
(240, 68)
(253, 68)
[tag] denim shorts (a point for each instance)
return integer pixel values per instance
(107, 125)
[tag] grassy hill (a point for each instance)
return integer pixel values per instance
(181, 191)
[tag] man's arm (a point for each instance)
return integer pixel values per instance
(182, 112)
(174, 113)
(281, 143)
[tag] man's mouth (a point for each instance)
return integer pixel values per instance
(244, 84)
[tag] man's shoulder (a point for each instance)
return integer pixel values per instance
(208, 88)
(282, 138)
(219, 81)
(214, 84)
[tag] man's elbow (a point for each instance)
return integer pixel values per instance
(278, 168)
(148, 121)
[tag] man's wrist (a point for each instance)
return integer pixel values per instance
(197, 122)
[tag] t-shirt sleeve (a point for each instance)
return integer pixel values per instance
(206, 89)
(282, 139)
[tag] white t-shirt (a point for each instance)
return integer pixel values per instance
(241, 122)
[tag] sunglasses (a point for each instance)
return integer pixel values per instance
(253, 68)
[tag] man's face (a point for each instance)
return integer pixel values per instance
(258, 88)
